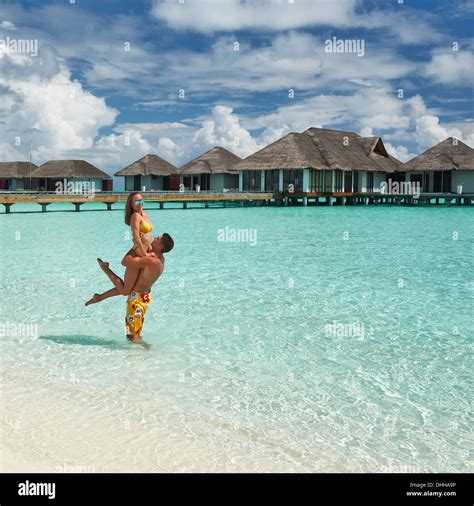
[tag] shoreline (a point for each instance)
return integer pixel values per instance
(30, 442)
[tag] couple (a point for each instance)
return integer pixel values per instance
(144, 264)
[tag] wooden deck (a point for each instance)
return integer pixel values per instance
(44, 199)
(8, 199)
(374, 198)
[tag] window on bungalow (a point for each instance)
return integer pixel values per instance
(370, 181)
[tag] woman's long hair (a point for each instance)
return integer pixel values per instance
(128, 207)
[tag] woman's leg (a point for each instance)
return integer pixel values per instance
(99, 297)
(126, 285)
(130, 276)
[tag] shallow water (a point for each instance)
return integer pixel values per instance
(340, 341)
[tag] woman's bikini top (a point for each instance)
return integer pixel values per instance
(145, 227)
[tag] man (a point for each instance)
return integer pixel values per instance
(139, 296)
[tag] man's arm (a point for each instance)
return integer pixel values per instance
(140, 262)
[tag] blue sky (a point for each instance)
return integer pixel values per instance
(114, 80)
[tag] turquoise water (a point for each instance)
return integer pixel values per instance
(340, 341)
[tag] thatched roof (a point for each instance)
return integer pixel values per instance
(69, 169)
(217, 160)
(447, 155)
(324, 149)
(149, 165)
(348, 151)
(294, 151)
(16, 169)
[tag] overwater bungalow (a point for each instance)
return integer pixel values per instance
(150, 173)
(213, 170)
(318, 160)
(442, 168)
(71, 172)
(17, 175)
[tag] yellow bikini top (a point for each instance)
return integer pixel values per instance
(145, 227)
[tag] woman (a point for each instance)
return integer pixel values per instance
(141, 228)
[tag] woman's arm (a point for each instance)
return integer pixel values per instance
(137, 239)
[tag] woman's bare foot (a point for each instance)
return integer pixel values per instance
(95, 298)
(103, 265)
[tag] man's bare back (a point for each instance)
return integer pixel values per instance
(149, 273)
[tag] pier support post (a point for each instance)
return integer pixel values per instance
(286, 202)
(224, 203)
(241, 203)
(206, 205)
(185, 205)
(162, 205)
(305, 201)
(7, 208)
(329, 201)
(343, 201)
(43, 206)
(77, 205)
(109, 206)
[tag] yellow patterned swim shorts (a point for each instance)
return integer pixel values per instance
(137, 304)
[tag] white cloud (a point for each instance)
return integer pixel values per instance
(227, 15)
(373, 110)
(224, 129)
(129, 142)
(289, 61)
(169, 150)
(366, 132)
(399, 152)
(408, 25)
(451, 67)
(155, 126)
(45, 106)
(429, 132)
(7, 25)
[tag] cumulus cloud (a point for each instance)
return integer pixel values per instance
(368, 109)
(366, 132)
(224, 129)
(429, 131)
(46, 106)
(131, 141)
(399, 152)
(170, 150)
(451, 67)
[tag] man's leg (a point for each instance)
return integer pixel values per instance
(137, 305)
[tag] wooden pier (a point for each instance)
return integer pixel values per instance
(373, 198)
(44, 199)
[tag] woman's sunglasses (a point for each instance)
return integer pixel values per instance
(139, 202)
